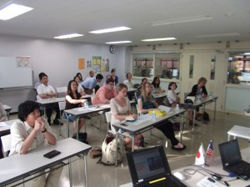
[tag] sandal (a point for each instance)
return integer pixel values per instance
(178, 148)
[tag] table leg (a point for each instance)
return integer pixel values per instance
(194, 114)
(85, 167)
(133, 142)
(70, 173)
(116, 154)
(77, 128)
(182, 127)
(215, 103)
(228, 137)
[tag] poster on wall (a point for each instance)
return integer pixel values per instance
(89, 65)
(23, 61)
(97, 60)
(81, 63)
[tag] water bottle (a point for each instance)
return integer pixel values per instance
(177, 108)
(86, 104)
(154, 115)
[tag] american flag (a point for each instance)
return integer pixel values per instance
(210, 150)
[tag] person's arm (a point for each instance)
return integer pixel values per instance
(102, 97)
(193, 92)
(46, 130)
(53, 92)
(74, 101)
(204, 92)
(140, 107)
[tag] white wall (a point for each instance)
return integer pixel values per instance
(59, 59)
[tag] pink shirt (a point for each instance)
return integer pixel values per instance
(103, 95)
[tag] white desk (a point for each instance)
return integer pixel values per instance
(146, 125)
(19, 167)
(239, 131)
(5, 127)
(160, 95)
(216, 166)
(50, 100)
(203, 103)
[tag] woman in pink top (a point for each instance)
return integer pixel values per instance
(105, 93)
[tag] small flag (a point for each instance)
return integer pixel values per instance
(200, 156)
(210, 150)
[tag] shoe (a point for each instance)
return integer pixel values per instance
(57, 122)
(178, 148)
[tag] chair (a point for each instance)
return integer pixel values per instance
(6, 142)
(108, 120)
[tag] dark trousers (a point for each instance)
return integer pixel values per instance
(166, 127)
(50, 108)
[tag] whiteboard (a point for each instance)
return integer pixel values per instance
(14, 75)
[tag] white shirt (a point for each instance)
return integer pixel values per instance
(172, 97)
(37, 84)
(43, 89)
(80, 88)
(129, 84)
(19, 131)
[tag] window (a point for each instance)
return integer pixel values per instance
(143, 65)
(238, 68)
(167, 65)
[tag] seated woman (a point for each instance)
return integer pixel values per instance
(79, 86)
(147, 102)
(143, 81)
(156, 85)
(172, 97)
(199, 91)
(73, 100)
(31, 133)
(120, 110)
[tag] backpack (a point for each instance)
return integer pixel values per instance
(205, 116)
(109, 149)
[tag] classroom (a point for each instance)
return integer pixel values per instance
(124, 93)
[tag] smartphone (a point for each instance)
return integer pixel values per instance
(123, 124)
(52, 154)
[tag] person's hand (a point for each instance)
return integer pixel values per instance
(134, 116)
(38, 126)
(42, 122)
(83, 100)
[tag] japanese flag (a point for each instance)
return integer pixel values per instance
(200, 156)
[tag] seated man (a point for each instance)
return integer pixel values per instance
(30, 133)
(105, 93)
(128, 82)
(45, 91)
(90, 83)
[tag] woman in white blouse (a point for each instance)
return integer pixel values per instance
(172, 97)
(121, 110)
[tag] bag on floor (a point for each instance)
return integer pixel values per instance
(205, 116)
(109, 149)
(82, 137)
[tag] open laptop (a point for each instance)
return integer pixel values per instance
(150, 168)
(232, 161)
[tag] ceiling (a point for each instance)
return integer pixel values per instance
(228, 20)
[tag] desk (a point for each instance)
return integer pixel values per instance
(5, 127)
(160, 95)
(20, 167)
(83, 111)
(146, 125)
(216, 166)
(45, 102)
(239, 131)
(203, 102)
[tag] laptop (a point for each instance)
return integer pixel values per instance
(232, 161)
(150, 168)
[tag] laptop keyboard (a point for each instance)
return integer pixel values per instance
(241, 169)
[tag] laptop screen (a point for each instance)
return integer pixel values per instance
(148, 163)
(230, 152)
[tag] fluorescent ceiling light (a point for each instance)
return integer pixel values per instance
(13, 10)
(119, 42)
(218, 35)
(248, 53)
(158, 39)
(68, 36)
(114, 29)
(181, 20)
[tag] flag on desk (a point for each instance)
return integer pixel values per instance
(200, 156)
(210, 150)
